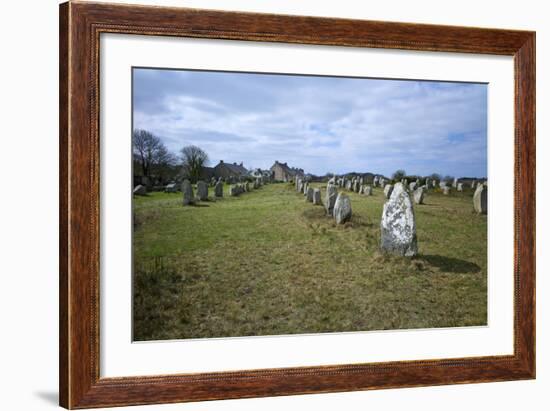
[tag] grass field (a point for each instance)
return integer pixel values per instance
(267, 263)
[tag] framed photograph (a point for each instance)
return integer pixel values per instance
(258, 205)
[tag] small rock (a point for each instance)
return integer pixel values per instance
(171, 188)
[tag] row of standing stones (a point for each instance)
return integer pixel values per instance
(189, 197)
(398, 223)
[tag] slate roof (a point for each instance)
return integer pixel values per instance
(290, 170)
(233, 167)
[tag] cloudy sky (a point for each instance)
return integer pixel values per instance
(320, 124)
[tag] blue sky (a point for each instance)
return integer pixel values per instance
(320, 124)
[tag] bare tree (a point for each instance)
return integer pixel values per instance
(146, 147)
(152, 157)
(193, 160)
(164, 163)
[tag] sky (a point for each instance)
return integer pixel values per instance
(321, 124)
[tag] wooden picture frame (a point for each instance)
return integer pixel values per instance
(80, 27)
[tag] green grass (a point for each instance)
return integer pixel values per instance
(268, 263)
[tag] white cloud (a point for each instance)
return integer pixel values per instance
(322, 124)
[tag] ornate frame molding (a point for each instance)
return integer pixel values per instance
(81, 24)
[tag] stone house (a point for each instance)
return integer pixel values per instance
(228, 170)
(282, 172)
(207, 173)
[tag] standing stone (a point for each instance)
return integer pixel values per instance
(234, 191)
(459, 187)
(480, 199)
(170, 188)
(309, 194)
(330, 198)
(398, 225)
(446, 190)
(140, 190)
(367, 190)
(247, 186)
(418, 195)
(218, 189)
(382, 183)
(388, 190)
(348, 185)
(202, 190)
(375, 181)
(455, 182)
(187, 190)
(342, 209)
(306, 187)
(413, 185)
(317, 197)
(434, 184)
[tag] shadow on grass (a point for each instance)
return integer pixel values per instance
(315, 213)
(449, 264)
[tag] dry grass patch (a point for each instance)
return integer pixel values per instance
(268, 263)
